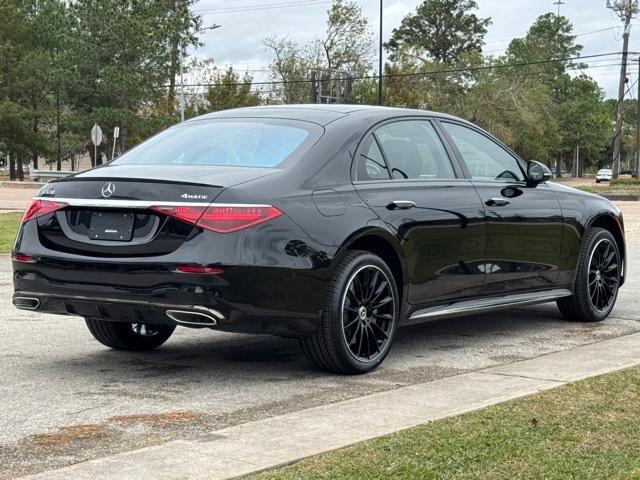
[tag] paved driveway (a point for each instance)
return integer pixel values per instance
(65, 398)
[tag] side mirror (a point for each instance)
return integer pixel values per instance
(538, 173)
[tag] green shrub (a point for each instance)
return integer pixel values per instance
(626, 182)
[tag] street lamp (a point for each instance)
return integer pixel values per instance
(183, 53)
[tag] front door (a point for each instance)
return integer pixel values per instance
(404, 172)
(523, 223)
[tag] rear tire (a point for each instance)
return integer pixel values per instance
(359, 319)
(129, 336)
(597, 279)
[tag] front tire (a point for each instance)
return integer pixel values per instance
(129, 336)
(597, 279)
(359, 319)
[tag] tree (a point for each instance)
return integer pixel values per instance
(230, 90)
(123, 52)
(348, 42)
(345, 50)
(550, 39)
(291, 67)
(440, 30)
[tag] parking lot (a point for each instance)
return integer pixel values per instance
(67, 399)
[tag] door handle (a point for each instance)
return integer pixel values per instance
(497, 202)
(401, 205)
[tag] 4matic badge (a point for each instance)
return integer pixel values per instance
(192, 196)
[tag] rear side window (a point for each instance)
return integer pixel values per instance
(247, 143)
(485, 159)
(371, 164)
(414, 151)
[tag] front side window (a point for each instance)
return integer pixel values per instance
(485, 159)
(246, 143)
(414, 151)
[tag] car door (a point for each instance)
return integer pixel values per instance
(523, 222)
(406, 174)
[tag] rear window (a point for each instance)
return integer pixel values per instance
(238, 143)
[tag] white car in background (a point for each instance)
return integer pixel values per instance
(604, 175)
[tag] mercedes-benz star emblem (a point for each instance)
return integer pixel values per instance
(108, 189)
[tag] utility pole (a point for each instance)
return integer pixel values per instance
(636, 170)
(380, 94)
(626, 9)
(559, 3)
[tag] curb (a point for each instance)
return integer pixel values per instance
(15, 184)
(622, 197)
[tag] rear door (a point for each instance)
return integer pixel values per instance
(523, 223)
(406, 174)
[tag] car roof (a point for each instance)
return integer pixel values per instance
(322, 114)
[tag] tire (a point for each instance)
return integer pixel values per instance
(356, 309)
(581, 306)
(123, 336)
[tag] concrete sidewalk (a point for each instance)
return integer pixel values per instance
(263, 444)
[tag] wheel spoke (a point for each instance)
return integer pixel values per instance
(383, 302)
(375, 340)
(382, 332)
(368, 313)
(383, 316)
(355, 333)
(360, 341)
(351, 323)
(373, 282)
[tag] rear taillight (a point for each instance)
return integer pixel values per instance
(198, 270)
(22, 258)
(37, 208)
(221, 218)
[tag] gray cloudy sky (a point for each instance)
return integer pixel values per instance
(245, 23)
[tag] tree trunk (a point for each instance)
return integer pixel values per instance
(109, 147)
(20, 170)
(559, 166)
(58, 140)
(124, 136)
(12, 166)
(34, 152)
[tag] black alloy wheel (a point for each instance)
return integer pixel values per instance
(359, 319)
(367, 313)
(597, 281)
(604, 275)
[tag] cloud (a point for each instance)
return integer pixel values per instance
(239, 41)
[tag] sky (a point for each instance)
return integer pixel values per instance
(245, 23)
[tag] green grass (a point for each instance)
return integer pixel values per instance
(9, 223)
(585, 430)
(622, 187)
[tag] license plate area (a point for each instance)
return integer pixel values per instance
(114, 226)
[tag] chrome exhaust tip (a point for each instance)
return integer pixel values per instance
(26, 303)
(189, 318)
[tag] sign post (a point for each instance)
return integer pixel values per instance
(96, 139)
(116, 134)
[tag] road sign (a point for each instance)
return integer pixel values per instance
(96, 134)
(96, 138)
(116, 134)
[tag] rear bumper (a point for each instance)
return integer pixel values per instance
(245, 299)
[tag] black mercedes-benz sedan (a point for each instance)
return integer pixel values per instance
(330, 224)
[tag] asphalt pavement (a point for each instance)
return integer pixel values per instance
(66, 398)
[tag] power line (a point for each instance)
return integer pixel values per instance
(417, 74)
